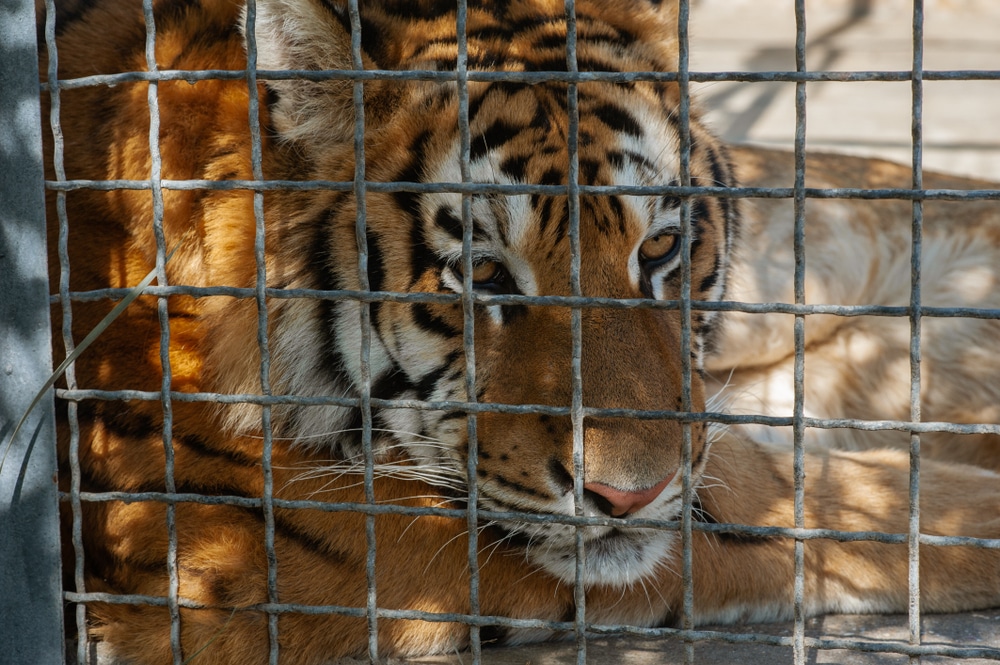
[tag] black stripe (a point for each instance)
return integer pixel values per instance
(419, 10)
(376, 276)
(545, 216)
(376, 266)
(670, 201)
(391, 385)
(640, 161)
(720, 177)
(198, 444)
(600, 65)
(332, 360)
(699, 218)
(426, 385)
(495, 32)
(427, 320)
(511, 313)
(547, 64)
(589, 169)
(322, 270)
(543, 211)
(495, 136)
(617, 211)
(552, 176)
(710, 279)
(645, 286)
(590, 210)
(540, 120)
(337, 11)
(554, 40)
(409, 202)
(617, 119)
(446, 220)
(289, 530)
(562, 224)
(514, 167)
(611, 36)
(421, 256)
(560, 475)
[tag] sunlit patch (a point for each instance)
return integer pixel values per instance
(976, 284)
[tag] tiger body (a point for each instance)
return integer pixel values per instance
(630, 247)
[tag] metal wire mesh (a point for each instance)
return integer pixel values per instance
(577, 411)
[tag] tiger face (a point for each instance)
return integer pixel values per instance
(630, 247)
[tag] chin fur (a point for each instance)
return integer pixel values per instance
(617, 558)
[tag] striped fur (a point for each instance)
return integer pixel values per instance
(520, 134)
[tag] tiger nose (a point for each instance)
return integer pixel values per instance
(619, 503)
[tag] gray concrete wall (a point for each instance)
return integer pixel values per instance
(30, 595)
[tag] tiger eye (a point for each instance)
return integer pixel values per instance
(657, 247)
(484, 272)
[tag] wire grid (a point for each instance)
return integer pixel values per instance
(576, 411)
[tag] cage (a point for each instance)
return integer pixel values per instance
(769, 86)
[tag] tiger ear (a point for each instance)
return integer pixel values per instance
(306, 35)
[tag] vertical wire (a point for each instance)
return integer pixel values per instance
(364, 309)
(576, 326)
(163, 315)
(687, 562)
(260, 287)
(798, 428)
(913, 540)
(469, 326)
(59, 167)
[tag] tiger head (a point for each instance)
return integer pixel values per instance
(521, 133)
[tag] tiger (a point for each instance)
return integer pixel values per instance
(392, 299)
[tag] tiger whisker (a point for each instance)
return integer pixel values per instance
(479, 529)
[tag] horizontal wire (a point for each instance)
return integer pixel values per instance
(590, 412)
(194, 75)
(540, 301)
(763, 532)
(885, 193)
(592, 630)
